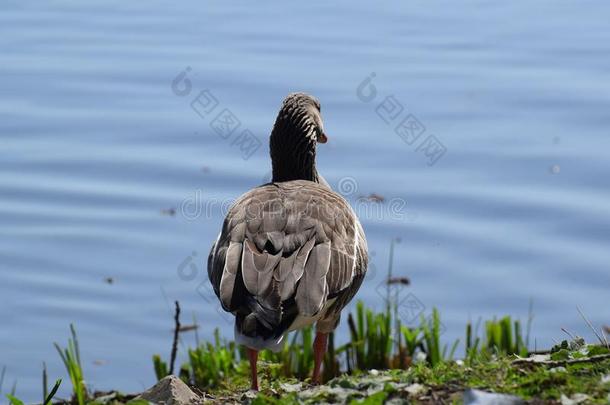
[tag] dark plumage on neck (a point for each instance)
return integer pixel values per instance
(293, 140)
(293, 162)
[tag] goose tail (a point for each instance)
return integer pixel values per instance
(258, 342)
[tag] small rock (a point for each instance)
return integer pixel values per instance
(250, 394)
(104, 399)
(291, 387)
(374, 372)
(575, 399)
(419, 357)
(415, 389)
(577, 343)
(606, 379)
(395, 401)
(558, 370)
(534, 358)
(335, 393)
(477, 397)
(170, 391)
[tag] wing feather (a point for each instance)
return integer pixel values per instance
(313, 288)
(291, 270)
(229, 272)
(257, 269)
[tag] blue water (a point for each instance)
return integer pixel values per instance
(507, 202)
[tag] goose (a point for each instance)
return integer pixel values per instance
(291, 252)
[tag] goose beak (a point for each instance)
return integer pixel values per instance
(322, 138)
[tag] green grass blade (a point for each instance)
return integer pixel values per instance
(50, 396)
(14, 400)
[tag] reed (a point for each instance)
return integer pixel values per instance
(502, 336)
(161, 369)
(210, 363)
(72, 361)
(370, 346)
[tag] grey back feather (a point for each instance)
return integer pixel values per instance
(285, 248)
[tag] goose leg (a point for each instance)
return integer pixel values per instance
(319, 349)
(253, 356)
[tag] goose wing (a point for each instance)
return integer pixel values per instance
(284, 250)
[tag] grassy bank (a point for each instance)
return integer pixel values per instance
(383, 360)
(446, 383)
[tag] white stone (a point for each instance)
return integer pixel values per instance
(286, 387)
(574, 399)
(419, 357)
(478, 397)
(415, 389)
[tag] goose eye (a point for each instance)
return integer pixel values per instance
(321, 136)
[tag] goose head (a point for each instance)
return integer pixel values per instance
(297, 131)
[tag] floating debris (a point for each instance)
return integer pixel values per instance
(555, 169)
(398, 280)
(373, 197)
(168, 211)
(109, 280)
(188, 328)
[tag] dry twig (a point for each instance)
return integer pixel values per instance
(175, 343)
